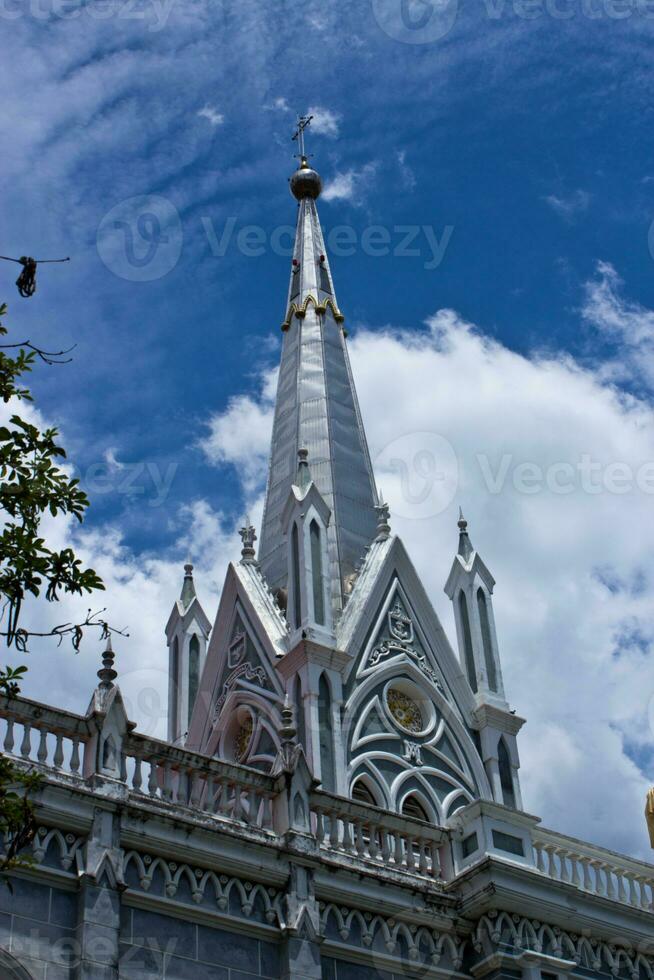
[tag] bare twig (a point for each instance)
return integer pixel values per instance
(48, 356)
(75, 630)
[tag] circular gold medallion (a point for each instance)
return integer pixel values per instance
(404, 710)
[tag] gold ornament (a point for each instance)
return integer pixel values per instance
(244, 737)
(404, 710)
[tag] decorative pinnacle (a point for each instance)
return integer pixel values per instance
(383, 519)
(107, 674)
(288, 731)
(303, 472)
(248, 537)
(465, 545)
(188, 585)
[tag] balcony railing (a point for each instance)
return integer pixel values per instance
(594, 870)
(381, 837)
(172, 775)
(52, 738)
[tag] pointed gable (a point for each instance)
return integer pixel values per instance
(247, 639)
(408, 723)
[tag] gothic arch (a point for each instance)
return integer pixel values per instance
(267, 721)
(370, 786)
(438, 764)
(11, 969)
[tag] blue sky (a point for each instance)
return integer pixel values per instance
(525, 142)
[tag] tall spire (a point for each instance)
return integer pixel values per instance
(317, 407)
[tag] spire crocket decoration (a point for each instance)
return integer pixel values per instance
(317, 407)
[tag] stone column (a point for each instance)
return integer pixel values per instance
(98, 910)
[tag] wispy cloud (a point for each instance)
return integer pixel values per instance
(626, 323)
(569, 205)
(349, 185)
(325, 122)
(280, 104)
(406, 173)
(211, 113)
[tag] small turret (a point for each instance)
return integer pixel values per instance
(187, 632)
(470, 587)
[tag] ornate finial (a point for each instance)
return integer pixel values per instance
(465, 546)
(107, 674)
(305, 182)
(248, 537)
(303, 478)
(383, 518)
(188, 585)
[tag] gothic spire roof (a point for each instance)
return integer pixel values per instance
(317, 409)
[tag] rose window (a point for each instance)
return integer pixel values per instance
(404, 710)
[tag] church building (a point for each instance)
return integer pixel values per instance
(339, 794)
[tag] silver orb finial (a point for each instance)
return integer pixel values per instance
(306, 181)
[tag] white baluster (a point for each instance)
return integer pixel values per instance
(74, 756)
(137, 778)
(9, 736)
(58, 757)
(42, 751)
(26, 744)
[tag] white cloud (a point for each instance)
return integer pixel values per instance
(349, 185)
(280, 104)
(567, 206)
(325, 122)
(241, 434)
(406, 173)
(211, 113)
(629, 324)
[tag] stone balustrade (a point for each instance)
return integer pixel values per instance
(176, 776)
(60, 744)
(52, 738)
(593, 869)
(371, 834)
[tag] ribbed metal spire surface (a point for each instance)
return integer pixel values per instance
(317, 410)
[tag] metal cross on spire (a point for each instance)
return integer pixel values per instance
(302, 123)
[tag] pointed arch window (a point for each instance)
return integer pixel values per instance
(295, 559)
(506, 774)
(362, 793)
(484, 620)
(174, 688)
(467, 642)
(316, 574)
(327, 770)
(412, 807)
(193, 672)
